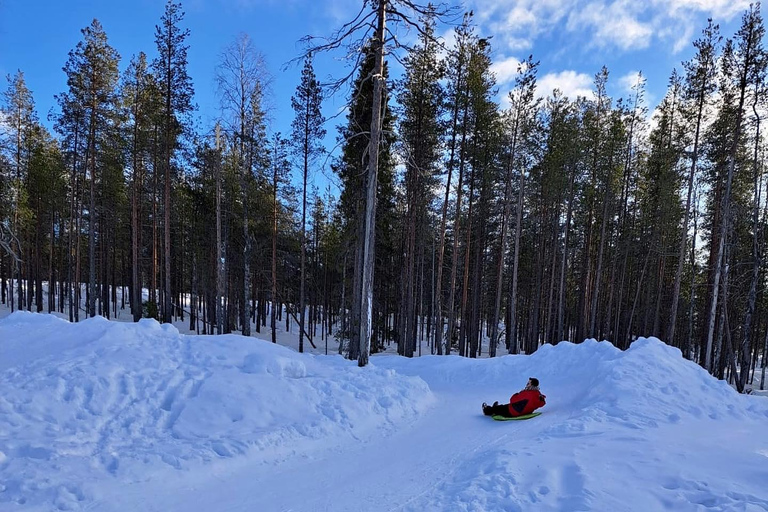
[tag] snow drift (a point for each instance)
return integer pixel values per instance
(81, 401)
(114, 416)
(636, 430)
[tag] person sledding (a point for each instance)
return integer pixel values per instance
(520, 404)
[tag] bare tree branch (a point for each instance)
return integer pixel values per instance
(7, 239)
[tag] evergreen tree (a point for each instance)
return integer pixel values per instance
(458, 102)
(92, 74)
(421, 131)
(141, 102)
(307, 133)
(698, 88)
(18, 109)
(351, 169)
(280, 174)
(518, 120)
(170, 68)
(742, 63)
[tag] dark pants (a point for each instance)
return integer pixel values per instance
(498, 410)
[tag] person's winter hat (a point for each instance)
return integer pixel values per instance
(534, 381)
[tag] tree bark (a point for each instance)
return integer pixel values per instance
(220, 252)
(275, 302)
(379, 84)
(512, 301)
(503, 241)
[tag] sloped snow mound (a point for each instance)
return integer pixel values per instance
(647, 385)
(685, 440)
(105, 398)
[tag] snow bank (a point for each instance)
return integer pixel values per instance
(114, 416)
(86, 401)
(645, 386)
(635, 430)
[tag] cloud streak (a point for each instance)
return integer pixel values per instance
(623, 25)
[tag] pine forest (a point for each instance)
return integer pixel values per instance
(461, 219)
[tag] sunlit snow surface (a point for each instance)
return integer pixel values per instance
(115, 416)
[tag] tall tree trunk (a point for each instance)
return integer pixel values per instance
(275, 303)
(51, 282)
(153, 298)
(70, 264)
(245, 318)
(726, 208)
(302, 298)
(503, 242)
(456, 234)
(691, 308)
(684, 228)
(78, 259)
(465, 286)
(379, 83)
(135, 199)
(91, 158)
(741, 380)
(167, 193)
(220, 251)
(438, 297)
(564, 262)
(512, 300)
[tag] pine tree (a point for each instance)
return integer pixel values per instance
(374, 18)
(742, 63)
(141, 102)
(518, 121)
(307, 133)
(280, 173)
(176, 91)
(18, 109)
(92, 74)
(421, 131)
(699, 86)
(458, 100)
(351, 169)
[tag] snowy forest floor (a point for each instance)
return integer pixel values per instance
(286, 332)
(116, 416)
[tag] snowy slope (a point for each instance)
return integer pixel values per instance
(112, 401)
(130, 417)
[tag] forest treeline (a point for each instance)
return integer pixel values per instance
(538, 219)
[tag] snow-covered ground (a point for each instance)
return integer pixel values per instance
(115, 416)
(285, 337)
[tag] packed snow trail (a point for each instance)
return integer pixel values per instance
(114, 417)
(396, 472)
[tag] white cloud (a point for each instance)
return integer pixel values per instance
(628, 81)
(621, 24)
(517, 22)
(505, 70)
(569, 82)
(721, 9)
(612, 25)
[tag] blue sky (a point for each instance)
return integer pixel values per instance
(571, 38)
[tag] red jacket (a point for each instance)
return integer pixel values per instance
(525, 402)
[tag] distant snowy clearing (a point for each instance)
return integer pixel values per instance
(115, 416)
